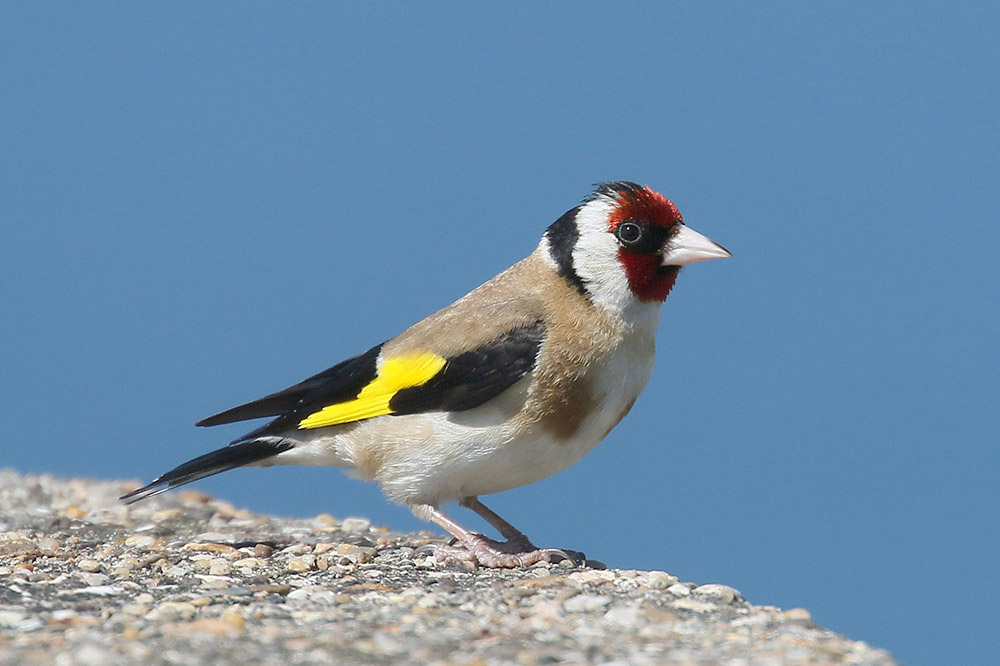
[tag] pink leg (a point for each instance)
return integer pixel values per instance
(517, 551)
(508, 531)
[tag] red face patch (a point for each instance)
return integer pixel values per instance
(649, 281)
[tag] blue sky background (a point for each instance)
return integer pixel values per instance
(203, 205)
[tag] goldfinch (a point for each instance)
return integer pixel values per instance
(515, 381)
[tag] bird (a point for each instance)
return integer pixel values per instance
(510, 384)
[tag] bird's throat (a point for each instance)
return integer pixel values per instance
(649, 281)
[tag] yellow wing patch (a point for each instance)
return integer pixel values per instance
(395, 375)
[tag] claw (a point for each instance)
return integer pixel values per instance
(485, 554)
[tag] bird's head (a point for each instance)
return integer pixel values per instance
(624, 243)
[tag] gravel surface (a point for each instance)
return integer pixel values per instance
(187, 579)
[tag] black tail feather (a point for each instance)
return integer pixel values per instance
(235, 455)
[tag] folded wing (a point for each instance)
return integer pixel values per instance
(370, 385)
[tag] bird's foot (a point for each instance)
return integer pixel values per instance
(481, 551)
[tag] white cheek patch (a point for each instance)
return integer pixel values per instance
(595, 258)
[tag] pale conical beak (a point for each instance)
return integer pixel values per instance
(688, 246)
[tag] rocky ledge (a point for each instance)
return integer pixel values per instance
(187, 579)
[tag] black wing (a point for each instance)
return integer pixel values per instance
(341, 382)
(466, 381)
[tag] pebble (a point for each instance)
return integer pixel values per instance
(211, 537)
(95, 579)
(135, 609)
(585, 603)
(720, 594)
(90, 654)
(428, 601)
(210, 547)
(192, 496)
(679, 590)
(301, 564)
(74, 512)
(30, 624)
(695, 605)
(596, 577)
(324, 596)
(660, 580)
(170, 611)
(325, 520)
(297, 549)
(623, 616)
(234, 618)
(89, 565)
(234, 591)
(626, 584)
(142, 541)
(355, 525)
(263, 551)
(798, 615)
(94, 590)
(214, 627)
(248, 563)
(123, 569)
(386, 644)
(220, 568)
(11, 618)
(167, 515)
(756, 621)
(296, 595)
(349, 553)
(178, 570)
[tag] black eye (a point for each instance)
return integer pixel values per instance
(629, 233)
